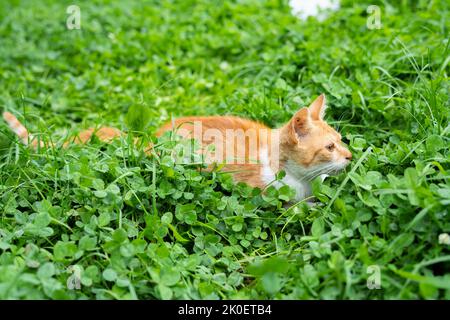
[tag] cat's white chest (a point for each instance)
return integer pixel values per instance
(302, 188)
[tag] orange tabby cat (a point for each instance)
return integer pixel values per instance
(305, 147)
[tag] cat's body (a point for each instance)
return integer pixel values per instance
(304, 148)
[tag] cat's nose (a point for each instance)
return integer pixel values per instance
(348, 155)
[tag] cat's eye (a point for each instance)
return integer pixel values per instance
(330, 147)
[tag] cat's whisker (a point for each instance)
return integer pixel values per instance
(317, 172)
(313, 174)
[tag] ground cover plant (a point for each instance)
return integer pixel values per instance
(103, 221)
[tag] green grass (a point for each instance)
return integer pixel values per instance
(144, 227)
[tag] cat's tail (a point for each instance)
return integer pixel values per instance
(103, 133)
(19, 129)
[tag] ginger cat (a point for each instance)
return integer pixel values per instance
(305, 147)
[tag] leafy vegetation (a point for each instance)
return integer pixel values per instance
(130, 226)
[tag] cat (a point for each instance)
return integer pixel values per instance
(304, 148)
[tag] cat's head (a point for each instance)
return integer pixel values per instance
(310, 147)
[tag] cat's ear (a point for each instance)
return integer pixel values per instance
(318, 107)
(301, 123)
